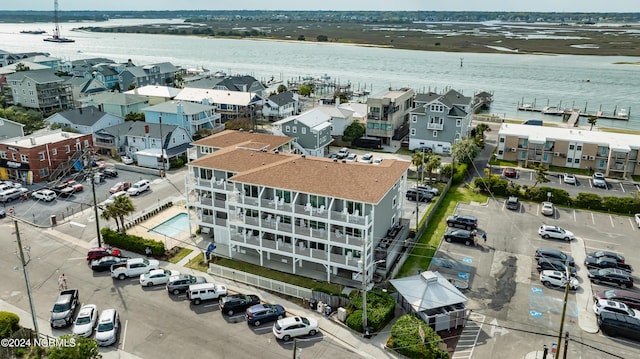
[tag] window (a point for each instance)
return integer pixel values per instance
(571, 147)
(576, 161)
(395, 198)
(458, 123)
(287, 129)
(41, 156)
(304, 130)
(86, 143)
(501, 139)
(67, 148)
(3, 155)
(133, 140)
(569, 160)
(24, 158)
(413, 132)
(13, 157)
(414, 118)
(43, 172)
(54, 151)
(579, 148)
(173, 140)
(78, 146)
(294, 129)
(435, 133)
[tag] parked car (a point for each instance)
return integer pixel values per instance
(138, 188)
(197, 293)
(462, 221)
(86, 321)
(631, 299)
(606, 262)
(108, 327)
(377, 161)
(99, 252)
(64, 308)
(156, 277)
(415, 194)
(262, 313)
(113, 197)
(548, 209)
(126, 160)
(616, 324)
(637, 217)
(2, 213)
(119, 187)
(547, 231)
(367, 158)
(510, 172)
(104, 264)
(599, 180)
(44, 195)
(554, 264)
(291, 327)
(459, 235)
(607, 254)
(343, 153)
(352, 157)
(569, 178)
(180, 283)
(237, 303)
(429, 189)
(10, 195)
(110, 172)
(611, 276)
(77, 186)
(606, 305)
(551, 253)
(513, 203)
(551, 278)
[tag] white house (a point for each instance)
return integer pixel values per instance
(85, 119)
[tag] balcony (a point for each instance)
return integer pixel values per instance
(435, 126)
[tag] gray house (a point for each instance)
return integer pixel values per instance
(153, 74)
(281, 105)
(311, 129)
(10, 129)
(438, 121)
(84, 120)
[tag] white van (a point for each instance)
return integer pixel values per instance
(205, 291)
(10, 194)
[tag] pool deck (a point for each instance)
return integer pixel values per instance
(181, 239)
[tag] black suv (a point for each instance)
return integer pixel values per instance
(180, 283)
(110, 172)
(616, 324)
(414, 193)
(554, 264)
(513, 203)
(237, 303)
(550, 253)
(611, 276)
(459, 235)
(463, 221)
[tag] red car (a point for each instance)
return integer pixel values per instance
(119, 187)
(510, 172)
(99, 252)
(77, 187)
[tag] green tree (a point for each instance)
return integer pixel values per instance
(108, 213)
(282, 88)
(131, 87)
(122, 206)
(344, 98)
(481, 128)
(592, 120)
(466, 151)
(541, 175)
(354, 131)
(305, 90)
(22, 67)
(84, 348)
(9, 324)
(431, 163)
(406, 340)
(134, 116)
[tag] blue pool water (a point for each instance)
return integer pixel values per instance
(172, 226)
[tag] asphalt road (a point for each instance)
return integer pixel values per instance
(505, 285)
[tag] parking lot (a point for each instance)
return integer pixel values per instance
(504, 284)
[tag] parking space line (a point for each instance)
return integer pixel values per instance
(633, 225)
(621, 186)
(593, 218)
(611, 219)
(574, 216)
(124, 333)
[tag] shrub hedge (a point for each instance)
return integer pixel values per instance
(405, 339)
(132, 243)
(9, 323)
(498, 186)
(380, 310)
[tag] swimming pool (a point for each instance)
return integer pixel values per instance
(172, 226)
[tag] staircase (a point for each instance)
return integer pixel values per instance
(300, 148)
(64, 167)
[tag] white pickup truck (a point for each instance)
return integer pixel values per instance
(638, 220)
(133, 267)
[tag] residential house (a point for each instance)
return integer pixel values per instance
(439, 121)
(281, 105)
(117, 103)
(434, 299)
(8, 58)
(614, 154)
(40, 90)
(340, 118)
(294, 213)
(240, 138)
(84, 119)
(242, 83)
(53, 63)
(229, 104)
(85, 67)
(153, 74)
(190, 116)
(10, 69)
(156, 94)
(39, 157)
(83, 87)
(142, 142)
(359, 111)
(10, 129)
(311, 130)
(388, 114)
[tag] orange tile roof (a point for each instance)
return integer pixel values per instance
(229, 138)
(353, 181)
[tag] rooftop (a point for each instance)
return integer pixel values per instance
(229, 138)
(188, 108)
(155, 91)
(216, 96)
(40, 139)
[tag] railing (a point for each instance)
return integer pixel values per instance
(435, 126)
(260, 282)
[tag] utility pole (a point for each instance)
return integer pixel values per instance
(564, 310)
(566, 345)
(95, 202)
(161, 148)
(26, 278)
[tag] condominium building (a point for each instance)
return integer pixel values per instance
(310, 216)
(614, 154)
(388, 114)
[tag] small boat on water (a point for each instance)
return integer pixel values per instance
(552, 110)
(622, 113)
(33, 32)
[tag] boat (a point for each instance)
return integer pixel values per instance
(622, 113)
(552, 110)
(33, 32)
(56, 32)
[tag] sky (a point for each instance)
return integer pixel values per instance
(399, 5)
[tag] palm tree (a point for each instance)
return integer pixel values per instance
(108, 213)
(121, 207)
(417, 159)
(592, 119)
(481, 128)
(432, 162)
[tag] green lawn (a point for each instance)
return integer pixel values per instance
(181, 254)
(427, 244)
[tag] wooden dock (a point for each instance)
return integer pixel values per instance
(570, 111)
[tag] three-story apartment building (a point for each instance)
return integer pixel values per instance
(310, 216)
(388, 114)
(40, 90)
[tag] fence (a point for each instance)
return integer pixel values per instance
(147, 213)
(260, 282)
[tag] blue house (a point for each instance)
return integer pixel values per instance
(187, 115)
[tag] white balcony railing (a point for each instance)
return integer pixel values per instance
(435, 126)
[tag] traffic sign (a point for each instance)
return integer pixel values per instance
(11, 210)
